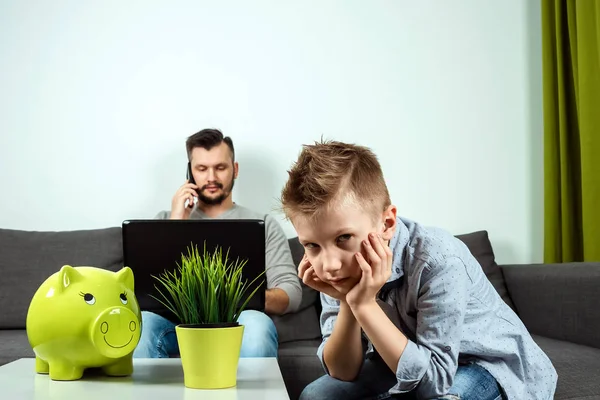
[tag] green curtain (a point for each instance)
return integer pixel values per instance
(571, 85)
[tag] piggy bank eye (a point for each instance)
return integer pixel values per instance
(88, 297)
(123, 297)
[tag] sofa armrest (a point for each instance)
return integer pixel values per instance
(560, 301)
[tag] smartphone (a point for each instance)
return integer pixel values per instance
(189, 175)
(190, 178)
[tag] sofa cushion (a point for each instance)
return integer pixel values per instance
(481, 248)
(301, 325)
(558, 301)
(299, 365)
(14, 345)
(577, 367)
(27, 258)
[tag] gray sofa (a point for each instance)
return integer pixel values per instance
(558, 303)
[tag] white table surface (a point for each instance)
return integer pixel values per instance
(258, 378)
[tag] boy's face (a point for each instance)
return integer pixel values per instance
(331, 241)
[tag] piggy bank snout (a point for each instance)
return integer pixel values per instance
(116, 332)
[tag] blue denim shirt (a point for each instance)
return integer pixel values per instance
(451, 314)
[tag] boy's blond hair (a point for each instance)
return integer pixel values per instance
(328, 173)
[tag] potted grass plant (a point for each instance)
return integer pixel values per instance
(207, 293)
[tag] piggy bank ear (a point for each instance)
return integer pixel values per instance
(125, 276)
(67, 276)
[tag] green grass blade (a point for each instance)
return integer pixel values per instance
(205, 287)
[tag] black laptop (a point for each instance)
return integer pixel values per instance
(153, 246)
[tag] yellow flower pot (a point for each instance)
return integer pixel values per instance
(210, 354)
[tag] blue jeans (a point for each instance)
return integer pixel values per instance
(159, 339)
(471, 382)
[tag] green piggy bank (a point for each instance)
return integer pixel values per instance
(84, 317)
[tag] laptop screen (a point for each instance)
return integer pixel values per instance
(153, 246)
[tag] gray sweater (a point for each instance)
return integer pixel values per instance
(280, 269)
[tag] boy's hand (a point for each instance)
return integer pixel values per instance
(307, 273)
(375, 272)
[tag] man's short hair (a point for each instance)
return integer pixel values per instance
(328, 172)
(207, 139)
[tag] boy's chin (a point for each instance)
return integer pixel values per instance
(345, 286)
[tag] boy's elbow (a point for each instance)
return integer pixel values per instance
(343, 372)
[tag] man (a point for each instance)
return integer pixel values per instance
(208, 194)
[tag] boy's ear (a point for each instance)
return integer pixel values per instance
(389, 222)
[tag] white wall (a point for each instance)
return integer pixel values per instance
(97, 98)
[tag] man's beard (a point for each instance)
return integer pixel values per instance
(213, 201)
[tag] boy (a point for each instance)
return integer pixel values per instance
(407, 310)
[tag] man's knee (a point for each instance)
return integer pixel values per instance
(155, 330)
(257, 323)
(260, 335)
(153, 325)
(150, 320)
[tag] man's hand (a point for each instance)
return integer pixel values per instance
(306, 272)
(376, 270)
(178, 205)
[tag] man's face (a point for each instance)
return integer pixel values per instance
(331, 242)
(214, 173)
